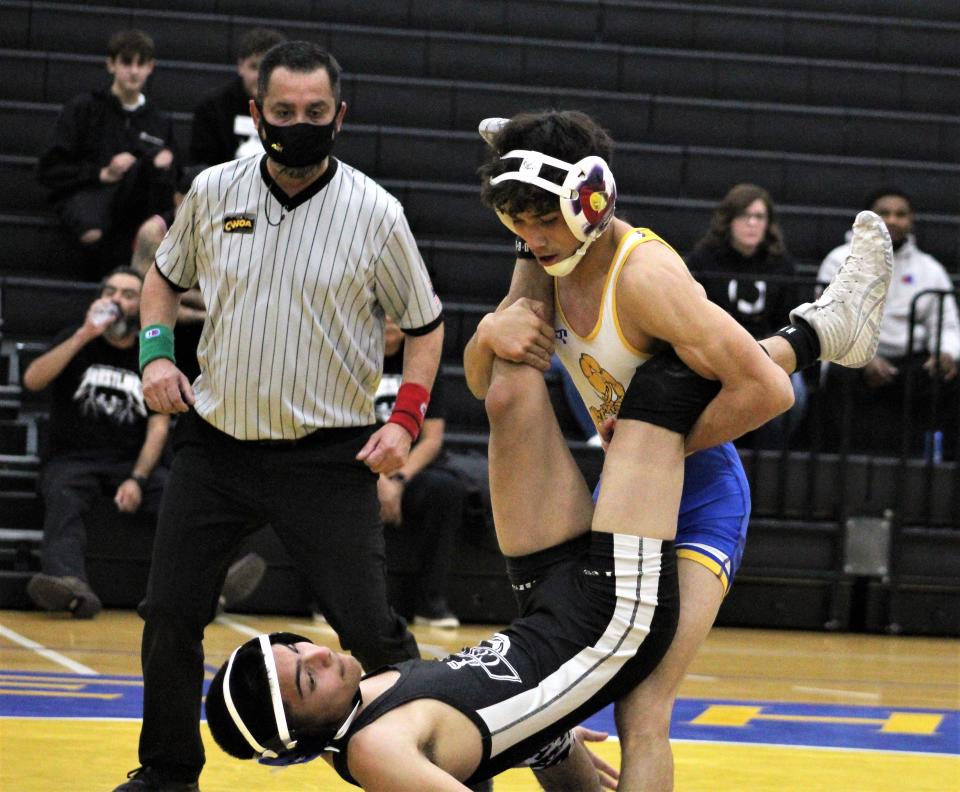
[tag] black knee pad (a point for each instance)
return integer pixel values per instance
(666, 392)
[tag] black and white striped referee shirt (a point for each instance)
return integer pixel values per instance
(295, 295)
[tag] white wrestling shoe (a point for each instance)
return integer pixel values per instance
(489, 128)
(847, 316)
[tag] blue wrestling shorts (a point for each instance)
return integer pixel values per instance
(714, 511)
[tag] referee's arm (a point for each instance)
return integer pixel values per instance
(421, 357)
(388, 448)
(159, 301)
(165, 388)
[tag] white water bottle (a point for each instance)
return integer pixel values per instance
(105, 314)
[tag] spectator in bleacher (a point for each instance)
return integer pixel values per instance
(421, 504)
(298, 257)
(743, 264)
(742, 248)
(878, 388)
(112, 158)
(223, 129)
(103, 439)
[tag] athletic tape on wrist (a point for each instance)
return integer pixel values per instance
(410, 408)
(156, 341)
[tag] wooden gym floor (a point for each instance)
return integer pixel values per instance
(759, 710)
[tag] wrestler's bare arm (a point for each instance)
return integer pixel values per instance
(396, 766)
(658, 299)
(407, 749)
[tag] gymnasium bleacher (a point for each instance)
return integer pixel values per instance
(817, 100)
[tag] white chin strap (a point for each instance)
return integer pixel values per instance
(561, 268)
(282, 731)
(344, 726)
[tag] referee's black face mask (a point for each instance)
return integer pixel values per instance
(297, 145)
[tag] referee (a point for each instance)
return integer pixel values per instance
(298, 257)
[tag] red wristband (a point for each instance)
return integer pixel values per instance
(410, 408)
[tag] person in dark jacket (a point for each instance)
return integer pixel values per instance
(737, 256)
(743, 264)
(223, 129)
(111, 161)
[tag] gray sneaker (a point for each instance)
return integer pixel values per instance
(67, 593)
(242, 579)
(434, 612)
(847, 316)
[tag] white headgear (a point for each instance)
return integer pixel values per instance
(587, 194)
(273, 682)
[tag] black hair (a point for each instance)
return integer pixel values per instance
(120, 271)
(257, 41)
(298, 56)
(568, 135)
(127, 45)
(883, 192)
(250, 691)
(735, 203)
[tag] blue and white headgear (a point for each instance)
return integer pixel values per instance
(587, 194)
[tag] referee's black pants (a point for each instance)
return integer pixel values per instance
(322, 505)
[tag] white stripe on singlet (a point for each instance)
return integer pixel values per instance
(637, 565)
(293, 340)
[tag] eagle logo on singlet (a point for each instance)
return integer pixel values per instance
(490, 656)
(606, 387)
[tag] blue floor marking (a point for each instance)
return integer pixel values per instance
(62, 695)
(788, 724)
(53, 695)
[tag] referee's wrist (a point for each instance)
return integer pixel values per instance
(156, 342)
(141, 481)
(399, 477)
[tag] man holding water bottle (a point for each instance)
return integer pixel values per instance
(103, 441)
(102, 438)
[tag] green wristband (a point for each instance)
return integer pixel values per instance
(156, 341)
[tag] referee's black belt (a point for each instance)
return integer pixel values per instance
(317, 438)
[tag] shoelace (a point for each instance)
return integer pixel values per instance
(841, 287)
(139, 771)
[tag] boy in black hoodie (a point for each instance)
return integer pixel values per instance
(111, 161)
(222, 127)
